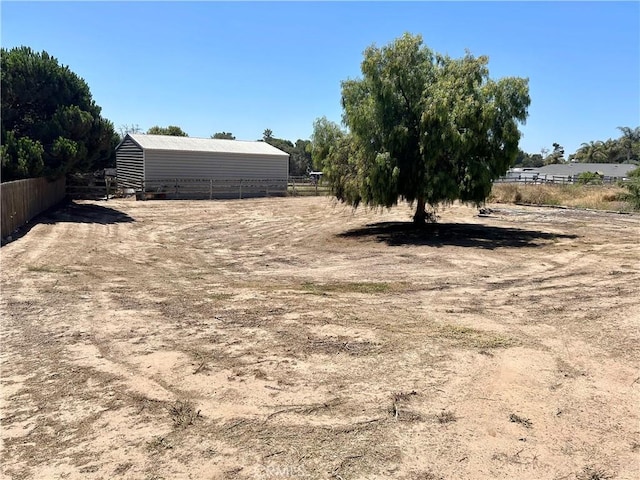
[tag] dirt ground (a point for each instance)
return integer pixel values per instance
(294, 338)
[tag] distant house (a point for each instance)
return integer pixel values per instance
(610, 172)
(154, 163)
(568, 172)
(521, 174)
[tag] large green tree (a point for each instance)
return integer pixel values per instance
(299, 154)
(556, 156)
(171, 130)
(422, 127)
(524, 159)
(625, 149)
(50, 124)
(630, 142)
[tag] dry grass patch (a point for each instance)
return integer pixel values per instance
(341, 344)
(183, 413)
(594, 473)
(47, 269)
(349, 287)
(446, 416)
(473, 338)
(159, 444)
(399, 409)
(525, 422)
(578, 196)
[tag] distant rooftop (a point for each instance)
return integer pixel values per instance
(192, 144)
(606, 169)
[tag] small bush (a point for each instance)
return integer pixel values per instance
(183, 413)
(590, 178)
(592, 473)
(446, 416)
(633, 195)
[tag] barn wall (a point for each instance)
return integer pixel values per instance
(166, 164)
(130, 164)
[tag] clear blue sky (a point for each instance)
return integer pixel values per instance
(243, 67)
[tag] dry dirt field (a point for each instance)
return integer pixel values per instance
(294, 338)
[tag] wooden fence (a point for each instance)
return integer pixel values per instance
(209, 188)
(539, 179)
(24, 199)
(306, 186)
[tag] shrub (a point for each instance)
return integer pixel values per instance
(633, 187)
(590, 178)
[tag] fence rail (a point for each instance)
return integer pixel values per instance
(306, 186)
(203, 188)
(24, 199)
(539, 179)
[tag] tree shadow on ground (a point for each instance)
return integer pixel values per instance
(70, 212)
(452, 234)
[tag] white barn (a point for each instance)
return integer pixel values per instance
(186, 167)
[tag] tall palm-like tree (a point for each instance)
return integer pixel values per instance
(593, 152)
(630, 137)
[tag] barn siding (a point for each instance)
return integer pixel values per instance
(130, 164)
(167, 164)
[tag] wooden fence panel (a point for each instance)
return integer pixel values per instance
(24, 199)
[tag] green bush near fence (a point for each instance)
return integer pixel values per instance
(590, 178)
(633, 189)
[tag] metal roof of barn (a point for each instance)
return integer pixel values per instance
(192, 144)
(606, 169)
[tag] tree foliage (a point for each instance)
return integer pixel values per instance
(223, 136)
(633, 187)
(50, 124)
(625, 149)
(171, 130)
(423, 127)
(524, 159)
(299, 153)
(556, 156)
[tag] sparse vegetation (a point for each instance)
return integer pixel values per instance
(633, 189)
(590, 178)
(594, 473)
(474, 338)
(428, 475)
(47, 269)
(159, 444)
(606, 197)
(183, 413)
(525, 422)
(354, 383)
(347, 287)
(446, 416)
(399, 409)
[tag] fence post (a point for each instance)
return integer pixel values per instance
(240, 190)
(210, 188)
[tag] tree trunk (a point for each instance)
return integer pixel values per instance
(421, 213)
